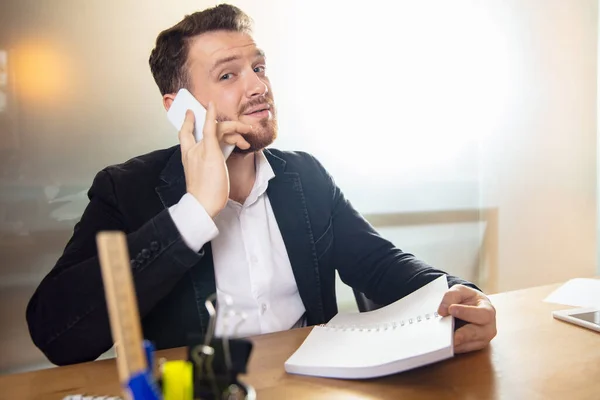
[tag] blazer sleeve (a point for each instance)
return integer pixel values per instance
(371, 264)
(67, 315)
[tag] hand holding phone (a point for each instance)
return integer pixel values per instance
(205, 144)
(184, 101)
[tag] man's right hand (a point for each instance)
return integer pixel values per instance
(206, 175)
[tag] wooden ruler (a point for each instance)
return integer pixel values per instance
(122, 304)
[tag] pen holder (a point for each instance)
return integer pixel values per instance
(214, 363)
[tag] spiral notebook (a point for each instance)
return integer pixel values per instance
(401, 336)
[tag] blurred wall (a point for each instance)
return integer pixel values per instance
(539, 159)
(414, 107)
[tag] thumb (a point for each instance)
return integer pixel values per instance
(454, 295)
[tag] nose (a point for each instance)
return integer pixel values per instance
(255, 86)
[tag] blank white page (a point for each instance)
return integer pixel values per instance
(425, 300)
(578, 292)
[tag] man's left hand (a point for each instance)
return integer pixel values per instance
(476, 310)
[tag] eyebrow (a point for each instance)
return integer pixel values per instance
(225, 60)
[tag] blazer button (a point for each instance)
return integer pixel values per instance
(154, 246)
(140, 258)
(146, 253)
(133, 263)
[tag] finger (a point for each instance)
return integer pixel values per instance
(481, 314)
(228, 127)
(455, 295)
(209, 132)
(237, 140)
(468, 333)
(471, 333)
(186, 133)
(470, 346)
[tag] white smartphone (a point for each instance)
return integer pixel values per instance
(184, 101)
(586, 317)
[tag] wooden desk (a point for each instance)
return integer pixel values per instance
(533, 357)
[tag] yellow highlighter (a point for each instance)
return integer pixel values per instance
(177, 383)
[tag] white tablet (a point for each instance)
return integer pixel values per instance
(586, 317)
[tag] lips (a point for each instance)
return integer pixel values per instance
(258, 109)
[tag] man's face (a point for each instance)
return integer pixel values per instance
(228, 69)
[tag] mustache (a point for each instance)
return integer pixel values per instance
(262, 100)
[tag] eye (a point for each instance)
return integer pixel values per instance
(259, 69)
(225, 77)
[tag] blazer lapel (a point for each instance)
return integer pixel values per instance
(289, 207)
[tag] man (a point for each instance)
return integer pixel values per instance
(265, 228)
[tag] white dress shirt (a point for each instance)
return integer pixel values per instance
(252, 267)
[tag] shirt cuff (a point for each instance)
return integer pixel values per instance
(195, 226)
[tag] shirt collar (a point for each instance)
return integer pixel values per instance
(264, 173)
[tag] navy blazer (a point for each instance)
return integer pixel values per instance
(322, 232)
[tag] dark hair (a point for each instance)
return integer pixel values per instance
(168, 59)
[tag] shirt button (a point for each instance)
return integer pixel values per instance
(254, 260)
(263, 308)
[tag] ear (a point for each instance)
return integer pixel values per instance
(168, 100)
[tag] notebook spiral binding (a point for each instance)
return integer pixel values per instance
(390, 326)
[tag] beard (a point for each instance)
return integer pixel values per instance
(264, 133)
(262, 136)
